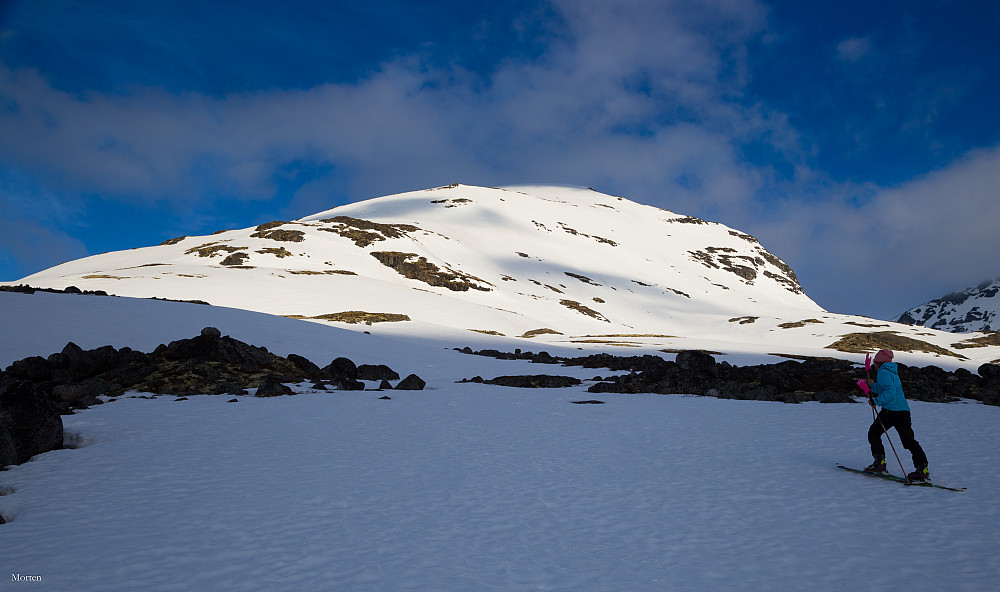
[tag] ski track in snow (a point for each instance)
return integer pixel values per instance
(478, 487)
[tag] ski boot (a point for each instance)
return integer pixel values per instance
(877, 467)
(921, 474)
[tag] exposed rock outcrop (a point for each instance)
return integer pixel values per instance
(207, 364)
(29, 422)
(826, 380)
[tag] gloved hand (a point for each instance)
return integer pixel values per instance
(863, 385)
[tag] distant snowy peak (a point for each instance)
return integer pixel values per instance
(972, 309)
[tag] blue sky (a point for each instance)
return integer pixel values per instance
(858, 141)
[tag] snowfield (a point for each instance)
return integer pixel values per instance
(469, 486)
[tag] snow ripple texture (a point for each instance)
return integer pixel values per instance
(476, 487)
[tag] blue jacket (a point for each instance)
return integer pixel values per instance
(888, 389)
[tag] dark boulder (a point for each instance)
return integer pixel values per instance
(273, 388)
(228, 388)
(8, 451)
(535, 381)
(344, 375)
(544, 358)
(697, 361)
(990, 371)
(224, 350)
(782, 377)
(342, 368)
(81, 392)
(306, 366)
(75, 360)
(30, 418)
(411, 383)
(376, 372)
(34, 368)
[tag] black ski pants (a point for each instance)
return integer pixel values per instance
(901, 421)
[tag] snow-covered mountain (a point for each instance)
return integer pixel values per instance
(562, 266)
(972, 309)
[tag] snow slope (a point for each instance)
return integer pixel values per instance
(972, 309)
(470, 486)
(556, 266)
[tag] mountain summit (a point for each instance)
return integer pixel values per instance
(563, 266)
(972, 309)
(507, 260)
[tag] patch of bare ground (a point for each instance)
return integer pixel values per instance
(797, 324)
(236, 260)
(213, 250)
(580, 308)
(355, 317)
(633, 335)
(860, 343)
(279, 252)
(417, 267)
(365, 232)
(535, 332)
(991, 338)
(324, 272)
(607, 342)
(271, 231)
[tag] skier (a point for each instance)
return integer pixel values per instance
(895, 413)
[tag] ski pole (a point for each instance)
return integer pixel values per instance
(879, 420)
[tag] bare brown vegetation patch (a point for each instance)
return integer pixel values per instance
(580, 308)
(324, 272)
(236, 260)
(213, 250)
(272, 231)
(991, 338)
(797, 324)
(417, 267)
(279, 252)
(860, 343)
(365, 232)
(357, 316)
(582, 278)
(534, 332)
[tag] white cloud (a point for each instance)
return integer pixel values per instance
(879, 251)
(637, 93)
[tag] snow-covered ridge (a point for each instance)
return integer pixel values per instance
(972, 309)
(568, 267)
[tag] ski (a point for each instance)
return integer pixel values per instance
(902, 480)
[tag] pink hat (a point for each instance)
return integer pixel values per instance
(883, 356)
